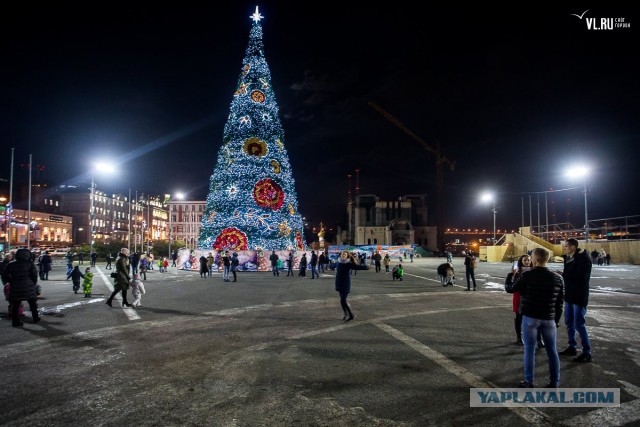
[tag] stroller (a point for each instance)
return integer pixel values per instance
(446, 274)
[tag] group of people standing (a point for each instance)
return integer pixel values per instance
(539, 297)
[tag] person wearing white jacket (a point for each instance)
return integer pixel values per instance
(137, 290)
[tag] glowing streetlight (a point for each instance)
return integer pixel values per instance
(100, 167)
(486, 198)
(582, 172)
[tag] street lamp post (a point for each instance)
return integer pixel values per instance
(99, 167)
(582, 172)
(489, 197)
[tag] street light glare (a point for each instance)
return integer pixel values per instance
(103, 167)
(577, 171)
(179, 195)
(486, 197)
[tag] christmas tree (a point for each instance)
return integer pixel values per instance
(252, 203)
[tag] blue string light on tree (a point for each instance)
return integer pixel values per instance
(252, 202)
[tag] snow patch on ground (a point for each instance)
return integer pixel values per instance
(609, 289)
(494, 285)
(59, 308)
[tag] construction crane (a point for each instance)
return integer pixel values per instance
(441, 161)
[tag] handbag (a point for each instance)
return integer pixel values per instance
(114, 275)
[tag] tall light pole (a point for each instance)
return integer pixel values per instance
(179, 196)
(578, 172)
(101, 167)
(490, 197)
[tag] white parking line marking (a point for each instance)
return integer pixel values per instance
(130, 312)
(531, 415)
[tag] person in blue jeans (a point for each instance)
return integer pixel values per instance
(313, 263)
(541, 300)
(576, 275)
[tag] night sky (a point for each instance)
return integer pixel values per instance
(513, 96)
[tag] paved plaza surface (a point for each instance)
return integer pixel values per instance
(270, 351)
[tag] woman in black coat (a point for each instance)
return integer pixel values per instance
(22, 277)
(346, 263)
(122, 278)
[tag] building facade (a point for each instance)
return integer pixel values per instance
(372, 221)
(185, 220)
(115, 217)
(46, 229)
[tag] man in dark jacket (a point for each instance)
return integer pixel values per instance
(22, 277)
(290, 264)
(314, 263)
(469, 270)
(274, 263)
(576, 274)
(541, 301)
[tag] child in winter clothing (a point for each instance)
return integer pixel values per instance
(397, 272)
(165, 265)
(75, 276)
(87, 283)
(137, 289)
(160, 265)
(7, 293)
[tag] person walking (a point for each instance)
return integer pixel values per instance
(386, 262)
(46, 262)
(235, 262)
(322, 259)
(137, 290)
(226, 265)
(274, 263)
(8, 257)
(204, 269)
(303, 266)
(210, 263)
(290, 264)
(109, 259)
(313, 262)
(22, 276)
(541, 299)
(94, 257)
(174, 257)
(346, 263)
(576, 275)
(69, 258)
(470, 263)
(122, 278)
(75, 276)
(377, 261)
(144, 266)
(87, 284)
